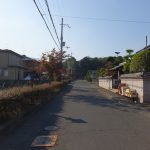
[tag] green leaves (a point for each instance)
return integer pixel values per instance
(101, 72)
(128, 59)
(88, 76)
(141, 62)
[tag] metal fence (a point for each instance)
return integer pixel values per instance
(14, 83)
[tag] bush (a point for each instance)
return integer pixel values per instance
(88, 76)
(141, 62)
(18, 100)
(101, 72)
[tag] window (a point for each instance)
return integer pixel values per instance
(5, 73)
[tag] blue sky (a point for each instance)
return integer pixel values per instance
(23, 30)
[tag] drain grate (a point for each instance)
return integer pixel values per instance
(44, 141)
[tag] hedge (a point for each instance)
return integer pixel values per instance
(18, 100)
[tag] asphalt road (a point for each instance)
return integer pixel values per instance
(88, 118)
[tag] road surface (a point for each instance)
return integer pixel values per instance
(88, 118)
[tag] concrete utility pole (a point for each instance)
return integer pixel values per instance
(117, 53)
(61, 38)
(62, 44)
(146, 40)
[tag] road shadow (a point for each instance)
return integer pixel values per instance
(73, 120)
(95, 97)
(34, 124)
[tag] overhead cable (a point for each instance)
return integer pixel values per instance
(46, 24)
(46, 2)
(105, 19)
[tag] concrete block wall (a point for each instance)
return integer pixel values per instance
(139, 82)
(135, 84)
(105, 82)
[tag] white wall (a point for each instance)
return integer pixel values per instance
(105, 83)
(135, 84)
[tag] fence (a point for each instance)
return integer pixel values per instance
(13, 83)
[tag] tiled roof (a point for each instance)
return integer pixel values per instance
(136, 75)
(146, 47)
(10, 51)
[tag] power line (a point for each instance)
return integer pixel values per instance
(44, 13)
(45, 23)
(46, 2)
(104, 19)
(41, 6)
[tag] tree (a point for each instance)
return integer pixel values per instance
(127, 59)
(70, 65)
(101, 72)
(141, 62)
(88, 76)
(129, 51)
(117, 60)
(51, 62)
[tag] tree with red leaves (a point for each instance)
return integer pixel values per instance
(51, 62)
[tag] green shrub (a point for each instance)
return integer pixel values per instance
(101, 72)
(141, 62)
(88, 76)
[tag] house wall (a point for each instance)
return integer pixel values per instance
(14, 60)
(105, 83)
(3, 60)
(10, 64)
(135, 84)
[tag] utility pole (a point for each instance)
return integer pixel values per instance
(62, 43)
(146, 40)
(61, 38)
(117, 53)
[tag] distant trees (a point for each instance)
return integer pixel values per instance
(102, 65)
(133, 63)
(70, 65)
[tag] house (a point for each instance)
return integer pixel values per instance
(145, 48)
(116, 72)
(30, 65)
(11, 65)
